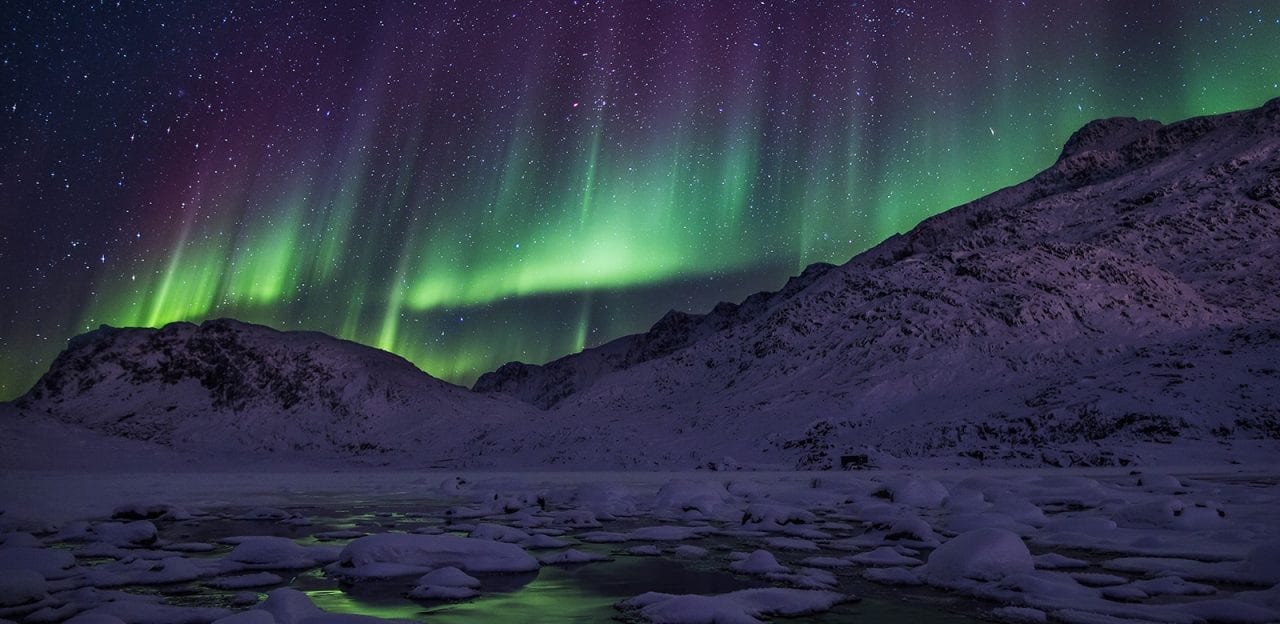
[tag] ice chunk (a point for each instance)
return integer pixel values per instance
(21, 587)
(248, 617)
(1229, 610)
(827, 562)
(427, 552)
(687, 551)
(668, 533)
(289, 606)
(740, 607)
(243, 581)
(791, 543)
(145, 571)
(277, 553)
(759, 562)
(912, 528)
(447, 583)
(571, 556)
(344, 534)
(441, 592)
(49, 562)
(449, 576)
(137, 533)
(267, 513)
(1020, 615)
(1172, 513)
(96, 618)
(540, 541)
(499, 533)
(916, 492)
(576, 518)
(603, 537)
(892, 576)
(15, 540)
(776, 516)
(1262, 565)
(1054, 561)
(884, 556)
(1156, 482)
(982, 554)
(146, 612)
(682, 496)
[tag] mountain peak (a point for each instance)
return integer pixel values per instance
(1088, 316)
(1108, 134)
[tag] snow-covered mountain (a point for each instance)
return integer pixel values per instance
(1118, 304)
(1123, 306)
(227, 386)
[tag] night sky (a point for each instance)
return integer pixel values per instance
(476, 182)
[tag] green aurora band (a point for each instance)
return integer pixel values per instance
(461, 234)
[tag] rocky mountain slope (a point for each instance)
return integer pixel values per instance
(1123, 299)
(230, 386)
(1123, 306)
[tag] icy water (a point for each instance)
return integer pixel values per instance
(571, 594)
(1141, 546)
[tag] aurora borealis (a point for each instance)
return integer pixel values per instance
(469, 183)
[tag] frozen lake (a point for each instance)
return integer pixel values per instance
(588, 547)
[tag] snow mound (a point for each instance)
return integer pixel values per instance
(21, 587)
(277, 553)
(916, 492)
(499, 533)
(570, 557)
(49, 562)
(97, 618)
(448, 583)
(884, 556)
(982, 554)
(759, 562)
(740, 607)
(681, 496)
(244, 581)
(1262, 566)
(412, 553)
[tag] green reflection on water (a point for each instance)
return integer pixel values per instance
(553, 594)
(584, 593)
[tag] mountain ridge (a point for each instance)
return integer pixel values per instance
(1119, 307)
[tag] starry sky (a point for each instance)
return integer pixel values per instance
(469, 183)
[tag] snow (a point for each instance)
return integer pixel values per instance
(1020, 615)
(740, 607)
(447, 583)
(277, 553)
(981, 554)
(449, 576)
(48, 562)
(571, 556)
(242, 581)
(1262, 564)
(499, 533)
(367, 556)
(20, 587)
(758, 562)
(884, 556)
(289, 606)
(95, 618)
(916, 492)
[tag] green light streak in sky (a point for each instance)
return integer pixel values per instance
(379, 231)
